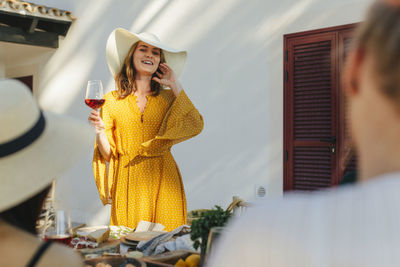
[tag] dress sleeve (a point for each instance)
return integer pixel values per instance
(103, 175)
(182, 121)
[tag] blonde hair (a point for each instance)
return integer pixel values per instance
(125, 79)
(380, 36)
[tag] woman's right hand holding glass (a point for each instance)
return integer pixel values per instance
(96, 121)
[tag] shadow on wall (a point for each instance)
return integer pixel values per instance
(233, 76)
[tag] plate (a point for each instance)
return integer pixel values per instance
(143, 236)
(128, 242)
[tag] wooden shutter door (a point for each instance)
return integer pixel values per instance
(315, 129)
(310, 112)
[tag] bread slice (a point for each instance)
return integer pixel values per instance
(100, 235)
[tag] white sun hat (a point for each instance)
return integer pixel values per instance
(120, 41)
(35, 146)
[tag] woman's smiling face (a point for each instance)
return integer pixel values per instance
(146, 58)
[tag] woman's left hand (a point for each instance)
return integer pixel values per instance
(167, 77)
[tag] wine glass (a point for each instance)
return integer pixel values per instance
(60, 231)
(94, 94)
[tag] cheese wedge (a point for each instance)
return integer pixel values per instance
(100, 235)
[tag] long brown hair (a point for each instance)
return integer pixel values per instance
(380, 35)
(125, 79)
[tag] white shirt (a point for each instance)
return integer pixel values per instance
(354, 225)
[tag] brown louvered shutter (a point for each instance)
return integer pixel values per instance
(313, 131)
(312, 83)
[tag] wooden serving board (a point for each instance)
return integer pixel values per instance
(142, 236)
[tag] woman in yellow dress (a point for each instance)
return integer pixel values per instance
(136, 128)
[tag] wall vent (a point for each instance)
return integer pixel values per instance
(260, 191)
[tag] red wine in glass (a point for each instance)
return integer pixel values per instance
(60, 229)
(63, 239)
(95, 103)
(94, 94)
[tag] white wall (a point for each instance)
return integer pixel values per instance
(2, 70)
(17, 60)
(233, 76)
(25, 70)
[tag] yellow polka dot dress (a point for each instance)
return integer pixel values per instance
(142, 180)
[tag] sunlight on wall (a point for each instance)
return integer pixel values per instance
(273, 25)
(68, 85)
(80, 33)
(194, 18)
(148, 14)
(68, 69)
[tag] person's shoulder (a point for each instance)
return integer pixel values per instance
(58, 255)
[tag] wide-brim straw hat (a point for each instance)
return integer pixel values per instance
(120, 41)
(35, 146)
